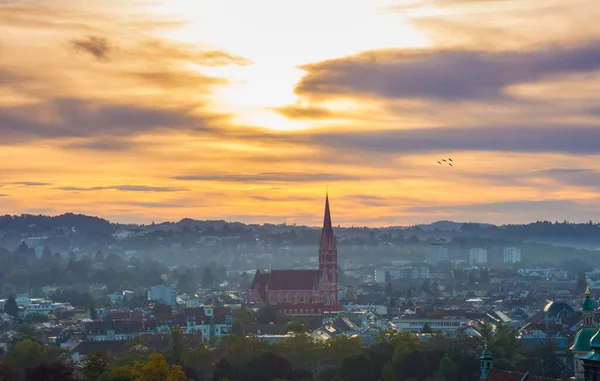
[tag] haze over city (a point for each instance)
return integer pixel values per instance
(246, 110)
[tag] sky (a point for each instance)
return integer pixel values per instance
(157, 110)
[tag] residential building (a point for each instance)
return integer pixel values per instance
(437, 253)
(162, 293)
(385, 274)
(477, 256)
(512, 255)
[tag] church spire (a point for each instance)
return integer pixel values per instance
(327, 236)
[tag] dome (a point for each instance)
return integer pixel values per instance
(486, 354)
(595, 342)
(583, 340)
(557, 308)
(588, 304)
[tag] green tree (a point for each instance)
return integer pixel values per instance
(176, 351)
(237, 328)
(95, 364)
(36, 318)
(52, 371)
(448, 370)
(426, 329)
(25, 355)
(358, 367)
(199, 361)
(10, 307)
(93, 312)
(296, 326)
(162, 309)
(208, 280)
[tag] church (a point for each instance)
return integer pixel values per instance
(298, 292)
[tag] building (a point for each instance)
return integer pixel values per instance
(591, 361)
(512, 255)
(304, 288)
(437, 253)
(477, 256)
(163, 294)
(416, 325)
(385, 274)
(581, 346)
(488, 373)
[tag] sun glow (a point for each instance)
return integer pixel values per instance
(302, 32)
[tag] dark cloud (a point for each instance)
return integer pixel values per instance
(4, 195)
(532, 139)
(304, 112)
(124, 188)
(30, 184)
(82, 118)
(582, 177)
(450, 75)
(504, 207)
(270, 177)
(96, 46)
(285, 198)
(101, 144)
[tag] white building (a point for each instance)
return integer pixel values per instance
(384, 274)
(437, 253)
(415, 326)
(162, 293)
(512, 255)
(477, 256)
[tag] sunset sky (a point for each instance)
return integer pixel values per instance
(155, 110)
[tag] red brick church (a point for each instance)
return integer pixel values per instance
(300, 292)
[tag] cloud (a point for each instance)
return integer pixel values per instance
(70, 117)
(449, 75)
(578, 177)
(515, 138)
(30, 184)
(270, 177)
(96, 46)
(101, 144)
(304, 112)
(124, 188)
(4, 195)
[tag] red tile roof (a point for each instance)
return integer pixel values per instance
(503, 375)
(292, 280)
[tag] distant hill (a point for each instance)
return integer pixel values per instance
(449, 226)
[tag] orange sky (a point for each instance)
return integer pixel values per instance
(246, 110)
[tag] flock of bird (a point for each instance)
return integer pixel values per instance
(444, 160)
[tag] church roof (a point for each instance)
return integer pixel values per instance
(583, 339)
(290, 280)
(557, 308)
(503, 375)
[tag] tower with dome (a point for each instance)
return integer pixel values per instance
(582, 344)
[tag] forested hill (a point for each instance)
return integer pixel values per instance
(580, 234)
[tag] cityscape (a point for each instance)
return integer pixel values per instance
(299, 190)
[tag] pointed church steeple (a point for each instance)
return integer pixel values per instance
(327, 236)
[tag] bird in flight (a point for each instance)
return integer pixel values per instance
(450, 164)
(439, 162)
(449, 159)
(444, 160)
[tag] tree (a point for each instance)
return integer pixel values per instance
(162, 309)
(266, 366)
(237, 328)
(358, 367)
(208, 281)
(267, 315)
(24, 356)
(224, 371)
(36, 318)
(95, 364)
(426, 329)
(10, 307)
(93, 312)
(296, 326)
(448, 370)
(176, 349)
(157, 369)
(99, 257)
(199, 360)
(51, 371)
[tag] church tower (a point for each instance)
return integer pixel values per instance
(328, 263)
(582, 344)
